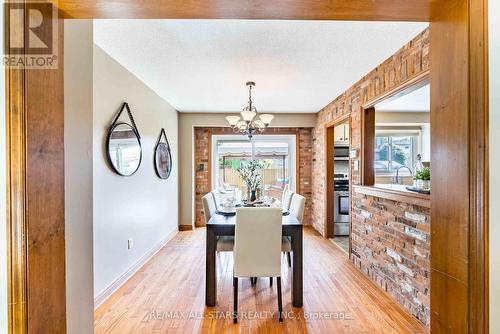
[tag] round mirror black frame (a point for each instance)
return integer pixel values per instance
(113, 126)
(160, 144)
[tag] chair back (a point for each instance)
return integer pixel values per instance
(286, 199)
(257, 242)
(216, 196)
(297, 206)
(209, 206)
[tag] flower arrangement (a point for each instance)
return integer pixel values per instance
(251, 174)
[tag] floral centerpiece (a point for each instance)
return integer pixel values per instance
(251, 173)
(422, 178)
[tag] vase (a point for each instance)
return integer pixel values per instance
(253, 196)
(423, 184)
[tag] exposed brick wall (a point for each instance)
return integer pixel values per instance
(370, 249)
(391, 244)
(411, 60)
(202, 158)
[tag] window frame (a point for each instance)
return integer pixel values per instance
(416, 143)
(290, 139)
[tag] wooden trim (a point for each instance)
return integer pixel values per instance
(364, 10)
(479, 168)
(329, 182)
(337, 121)
(17, 237)
(395, 195)
(209, 165)
(350, 189)
(297, 161)
(186, 228)
(403, 88)
(367, 144)
(329, 145)
(35, 200)
(459, 233)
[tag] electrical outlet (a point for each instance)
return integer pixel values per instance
(130, 243)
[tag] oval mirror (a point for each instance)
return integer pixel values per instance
(163, 161)
(163, 156)
(124, 149)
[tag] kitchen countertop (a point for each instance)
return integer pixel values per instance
(395, 192)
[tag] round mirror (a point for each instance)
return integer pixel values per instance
(163, 160)
(124, 149)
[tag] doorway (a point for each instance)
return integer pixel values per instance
(459, 48)
(337, 162)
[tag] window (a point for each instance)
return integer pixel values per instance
(276, 152)
(394, 151)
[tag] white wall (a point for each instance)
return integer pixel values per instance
(141, 206)
(494, 77)
(3, 199)
(187, 123)
(426, 142)
(78, 53)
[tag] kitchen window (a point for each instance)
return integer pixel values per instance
(393, 151)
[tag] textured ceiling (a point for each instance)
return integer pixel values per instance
(202, 65)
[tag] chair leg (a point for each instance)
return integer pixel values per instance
(289, 259)
(271, 281)
(235, 300)
(280, 302)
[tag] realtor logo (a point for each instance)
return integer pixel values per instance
(31, 42)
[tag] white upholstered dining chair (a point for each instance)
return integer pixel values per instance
(209, 206)
(224, 243)
(297, 206)
(286, 198)
(257, 248)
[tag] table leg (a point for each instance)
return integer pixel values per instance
(210, 275)
(297, 275)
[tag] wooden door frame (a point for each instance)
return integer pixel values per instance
(329, 171)
(35, 193)
(461, 74)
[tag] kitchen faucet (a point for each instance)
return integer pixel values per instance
(397, 173)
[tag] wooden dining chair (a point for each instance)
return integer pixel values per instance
(224, 243)
(257, 248)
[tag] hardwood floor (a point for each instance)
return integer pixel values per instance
(167, 296)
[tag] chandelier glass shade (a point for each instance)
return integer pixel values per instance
(249, 124)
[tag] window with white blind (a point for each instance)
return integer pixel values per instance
(277, 152)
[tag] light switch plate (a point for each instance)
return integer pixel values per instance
(355, 165)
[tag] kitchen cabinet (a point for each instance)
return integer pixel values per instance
(341, 133)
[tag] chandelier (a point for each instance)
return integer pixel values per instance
(249, 125)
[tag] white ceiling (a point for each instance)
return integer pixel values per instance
(202, 65)
(417, 100)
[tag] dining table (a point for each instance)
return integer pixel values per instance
(224, 225)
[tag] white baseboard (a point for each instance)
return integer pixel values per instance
(123, 278)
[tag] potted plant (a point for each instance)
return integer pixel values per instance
(251, 174)
(422, 179)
